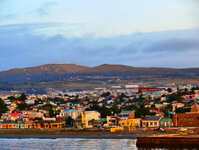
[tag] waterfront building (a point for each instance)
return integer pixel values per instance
(125, 116)
(166, 122)
(189, 119)
(20, 125)
(111, 121)
(29, 124)
(91, 115)
(8, 125)
(48, 124)
(152, 121)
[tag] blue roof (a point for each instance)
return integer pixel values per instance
(153, 118)
(72, 110)
(156, 93)
(8, 121)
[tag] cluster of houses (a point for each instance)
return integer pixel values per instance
(65, 106)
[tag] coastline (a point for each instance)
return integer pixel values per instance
(53, 134)
(143, 140)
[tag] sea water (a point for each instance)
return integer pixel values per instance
(67, 144)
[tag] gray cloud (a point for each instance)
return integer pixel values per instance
(21, 47)
(176, 45)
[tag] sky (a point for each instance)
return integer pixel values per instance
(140, 33)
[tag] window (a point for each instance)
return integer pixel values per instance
(197, 118)
(185, 118)
(155, 123)
(181, 118)
(151, 123)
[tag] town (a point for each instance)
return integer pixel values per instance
(115, 109)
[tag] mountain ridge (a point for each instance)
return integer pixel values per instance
(53, 72)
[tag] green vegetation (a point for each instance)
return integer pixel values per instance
(3, 107)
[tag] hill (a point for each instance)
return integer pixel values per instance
(40, 73)
(71, 76)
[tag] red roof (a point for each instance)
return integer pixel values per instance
(15, 114)
(156, 111)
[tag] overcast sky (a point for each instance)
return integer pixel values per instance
(141, 33)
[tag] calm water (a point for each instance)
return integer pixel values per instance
(67, 144)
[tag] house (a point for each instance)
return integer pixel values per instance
(90, 115)
(152, 121)
(71, 112)
(20, 125)
(155, 95)
(53, 124)
(157, 113)
(4, 116)
(96, 123)
(189, 119)
(29, 124)
(15, 116)
(112, 121)
(166, 122)
(125, 116)
(48, 124)
(8, 125)
(137, 122)
(177, 105)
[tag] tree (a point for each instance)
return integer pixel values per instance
(153, 107)
(169, 90)
(141, 112)
(3, 107)
(23, 97)
(38, 118)
(22, 106)
(69, 121)
(51, 113)
(186, 91)
(115, 109)
(182, 110)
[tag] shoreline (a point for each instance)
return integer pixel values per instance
(142, 140)
(53, 134)
(74, 136)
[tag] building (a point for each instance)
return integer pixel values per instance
(48, 124)
(152, 121)
(91, 115)
(8, 125)
(20, 125)
(166, 122)
(125, 116)
(112, 121)
(189, 119)
(149, 89)
(15, 116)
(71, 112)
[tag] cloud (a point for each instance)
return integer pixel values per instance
(43, 10)
(21, 47)
(173, 46)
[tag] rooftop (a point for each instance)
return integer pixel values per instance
(152, 118)
(195, 108)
